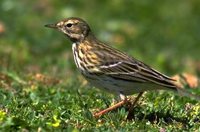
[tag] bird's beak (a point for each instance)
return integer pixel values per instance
(51, 26)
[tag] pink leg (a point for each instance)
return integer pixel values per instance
(110, 108)
(118, 105)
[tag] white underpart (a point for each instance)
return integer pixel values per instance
(112, 65)
(75, 54)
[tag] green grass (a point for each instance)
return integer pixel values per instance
(41, 89)
(34, 104)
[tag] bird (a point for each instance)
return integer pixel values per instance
(110, 69)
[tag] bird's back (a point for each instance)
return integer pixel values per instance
(93, 57)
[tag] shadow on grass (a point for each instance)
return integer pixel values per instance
(157, 117)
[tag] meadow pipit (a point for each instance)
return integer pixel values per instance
(110, 69)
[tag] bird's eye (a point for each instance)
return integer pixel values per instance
(69, 25)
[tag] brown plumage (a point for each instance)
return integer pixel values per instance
(108, 68)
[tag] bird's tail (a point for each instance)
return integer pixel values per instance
(183, 92)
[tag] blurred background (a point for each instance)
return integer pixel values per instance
(163, 34)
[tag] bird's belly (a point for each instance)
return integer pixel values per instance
(118, 86)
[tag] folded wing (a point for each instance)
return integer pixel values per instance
(136, 71)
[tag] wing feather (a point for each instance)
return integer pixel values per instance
(119, 65)
(135, 72)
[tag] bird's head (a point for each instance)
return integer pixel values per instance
(75, 28)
